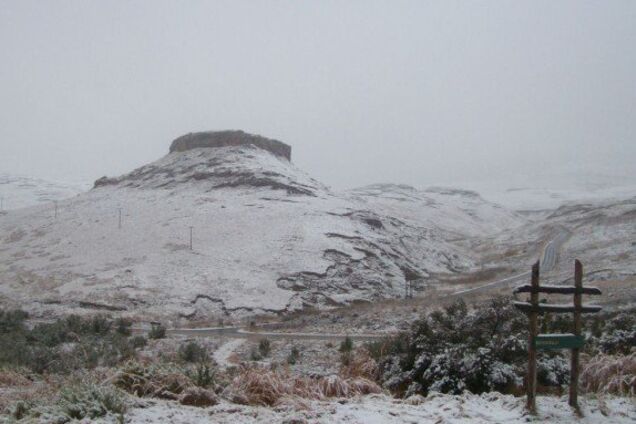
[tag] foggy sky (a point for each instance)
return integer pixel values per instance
(411, 92)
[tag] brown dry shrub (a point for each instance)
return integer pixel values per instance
(361, 364)
(196, 396)
(12, 378)
(259, 386)
(17, 387)
(609, 374)
(159, 380)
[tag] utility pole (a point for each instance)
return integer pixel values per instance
(1, 203)
(55, 202)
(119, 218)
(191, 227)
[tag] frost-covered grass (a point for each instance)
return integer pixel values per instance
(382, 409)
(610, 374)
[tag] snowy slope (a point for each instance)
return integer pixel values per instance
(454, 212)
(266, 237)
(603, 236)
(21, 191)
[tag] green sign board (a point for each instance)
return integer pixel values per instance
(558, 341)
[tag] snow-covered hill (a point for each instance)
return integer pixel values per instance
(20, 191)
(603, 236)
(266, 238)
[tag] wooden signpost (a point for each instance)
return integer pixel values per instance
(573, 341)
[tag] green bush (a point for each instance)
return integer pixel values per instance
(138, 342)
(123, 326)
(293, 356)
(193, 352)
(264, 347)
(157, 331)
(203, 375)
(346, 345)
(90, 401)
(67, 344)
(12, 321)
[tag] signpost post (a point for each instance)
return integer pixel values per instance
(573, 341)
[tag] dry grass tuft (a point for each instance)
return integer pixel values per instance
(13, 378)
(360, 365)
(608, 374)
(152, 380)
(259, 386)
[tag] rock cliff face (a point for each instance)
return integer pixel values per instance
(229, 138)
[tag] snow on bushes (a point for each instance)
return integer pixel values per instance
(457, 349)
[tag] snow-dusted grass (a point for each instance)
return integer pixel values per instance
(609, 374)
(381, 409)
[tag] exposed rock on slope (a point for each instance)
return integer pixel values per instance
(266, 238)
(229, 138)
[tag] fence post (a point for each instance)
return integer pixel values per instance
(531, 386)
(574, 366)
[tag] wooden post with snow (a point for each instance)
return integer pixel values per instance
(573, 341)
(574, 366)
(531, 385)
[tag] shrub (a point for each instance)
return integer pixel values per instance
(67, 344)
(553, 371)
(193, 352)
(123, 326)
(157, 331)
(293, 356)
(619, 341)
(258, 386)
(90, 401)
(12, 321)
(607, 374)
(454, 349)
(160, 380)
(138, 342)
(203, 376)
(361, 364)
(255, 355)
(346, 345)
(264, 347)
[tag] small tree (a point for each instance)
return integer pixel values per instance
(264, 347)
(346, 345)
(157, 331)
(193, 352)
(293, 356)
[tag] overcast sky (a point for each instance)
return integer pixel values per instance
(413, 92)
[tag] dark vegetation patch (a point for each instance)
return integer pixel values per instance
(68, 344)
(485, 349)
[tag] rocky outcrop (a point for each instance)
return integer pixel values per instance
(229, 138)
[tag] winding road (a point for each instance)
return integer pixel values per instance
(547, 262)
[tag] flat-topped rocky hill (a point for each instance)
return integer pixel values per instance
(214, 139)
(267, 238)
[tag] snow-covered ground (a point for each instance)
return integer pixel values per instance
(19, 191)
(545, 191)
(266, 238)
(382, 409)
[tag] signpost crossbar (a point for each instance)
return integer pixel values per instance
(559, 290)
